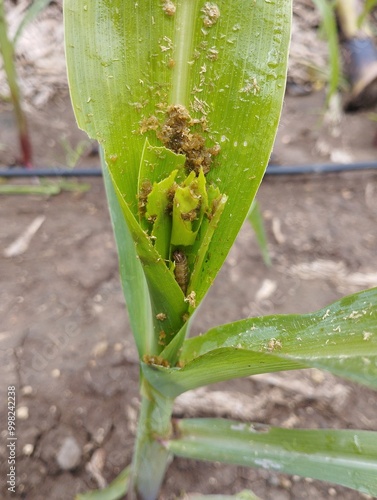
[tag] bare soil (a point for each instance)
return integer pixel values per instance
(65, 338)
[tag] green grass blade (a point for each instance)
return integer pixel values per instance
(115, 491)
(31, 13)
(256, 220)
(341, 338)
(327, 10)
(368, 6)
(132, 277)
(26, 189)
(74, 187)
(346, 457)
(127, 62)
(9, 66)
(45, 188)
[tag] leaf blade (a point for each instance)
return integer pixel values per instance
(341, 338)
(132, 277)
(114, 491)
(350, 455)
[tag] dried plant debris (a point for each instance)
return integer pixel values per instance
(155, 360)
(177, 134)
(21, 244)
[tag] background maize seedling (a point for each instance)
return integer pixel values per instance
(7, 50)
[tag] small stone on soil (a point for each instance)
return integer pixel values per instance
(22, 412)
(28, 449)
(27, 390)
(100, 349)
(69, 454)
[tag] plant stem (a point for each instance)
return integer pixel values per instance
(151, 458)
(7, 51)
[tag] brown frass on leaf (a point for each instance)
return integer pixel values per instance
(162, 338)
(155, 360)
(177, 134)
(190, 216)
(170, 194)
(144, 191)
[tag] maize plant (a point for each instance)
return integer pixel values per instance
(7, 51)
(184, 98)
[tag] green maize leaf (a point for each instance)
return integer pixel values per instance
(346, 457)
(166, 296)
(172, 350)
(158, 163)
(216, 366)
(256, 220)
(134, 285)
(157, 206)
(201, 78)
(115, 491)
(341, 338)
(190, 199)
(156, 167)
(216, 203)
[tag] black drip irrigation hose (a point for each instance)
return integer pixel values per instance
(320, 168)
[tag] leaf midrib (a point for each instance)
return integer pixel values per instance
(184, 37)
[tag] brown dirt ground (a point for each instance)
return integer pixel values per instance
(65, 338)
